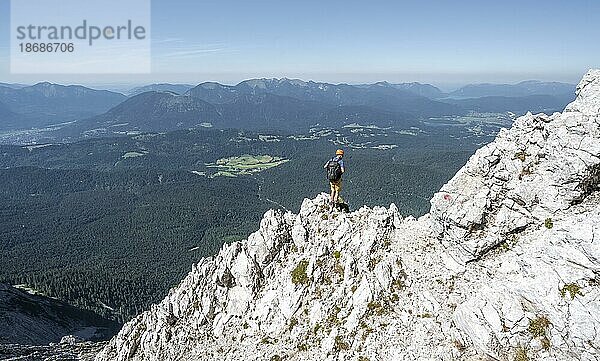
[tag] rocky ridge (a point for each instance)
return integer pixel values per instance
(505, 266)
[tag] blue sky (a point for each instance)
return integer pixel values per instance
(442, 42)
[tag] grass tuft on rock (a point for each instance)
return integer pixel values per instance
(538, 326)
(299, 275)
(572, 288)
(521, 354)
(521, 155)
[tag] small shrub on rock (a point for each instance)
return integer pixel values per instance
(572, 288)
(520, 156)
(538, 328)
(299, 275)
(521, 354)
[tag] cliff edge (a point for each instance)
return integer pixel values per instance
(506, 266)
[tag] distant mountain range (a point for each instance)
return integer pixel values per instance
(263, 104)
(278, 104)
(531, 95)
(163, 111)
(525, 88)
(295, 105)
(385, 98)
(497, 104)
(45, 103)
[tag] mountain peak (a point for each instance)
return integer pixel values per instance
(211, 85)
(510, 242)
(43, 84)
(268, 83)
(382, 83)
(261, 83)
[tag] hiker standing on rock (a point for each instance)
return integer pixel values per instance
(335, 169)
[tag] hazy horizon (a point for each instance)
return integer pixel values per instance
(128, 85)
(447, 44)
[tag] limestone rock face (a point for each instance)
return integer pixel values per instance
(506, 266)
(542, 165)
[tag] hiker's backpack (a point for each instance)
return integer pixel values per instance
(334, 170)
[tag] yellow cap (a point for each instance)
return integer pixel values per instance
(339, 152)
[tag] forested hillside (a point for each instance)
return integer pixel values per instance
(111, 224)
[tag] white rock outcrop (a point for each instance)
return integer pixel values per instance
(542, 165)
(505, 267)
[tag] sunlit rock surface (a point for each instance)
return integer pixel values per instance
(506, 266)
